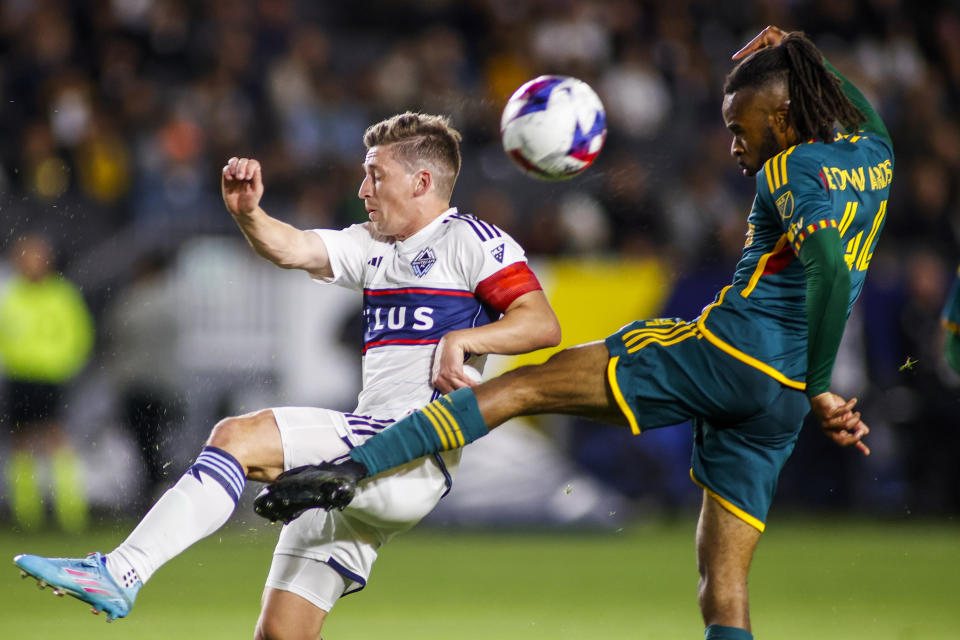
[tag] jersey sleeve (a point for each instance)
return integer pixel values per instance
(794, 184)
(873, 124)
(348, 250)
(495, 265)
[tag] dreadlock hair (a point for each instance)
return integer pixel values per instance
(816, 101)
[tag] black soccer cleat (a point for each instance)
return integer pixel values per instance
(313, 486)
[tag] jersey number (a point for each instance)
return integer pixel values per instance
(859, 253)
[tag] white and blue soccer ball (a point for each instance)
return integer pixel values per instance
(553, 127)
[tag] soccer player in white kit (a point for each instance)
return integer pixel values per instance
(441, 289)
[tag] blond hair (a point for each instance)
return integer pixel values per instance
(418, 139)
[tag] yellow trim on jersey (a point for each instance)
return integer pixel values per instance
(783, 163)
(863, 260)
(768, 171)
(441, 433)
(618, 395)
(729, 506)
(762, 264)
(739, 355)
(849, 213)
(454, 425)
(776, 169)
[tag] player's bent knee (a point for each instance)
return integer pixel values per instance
(253, 439)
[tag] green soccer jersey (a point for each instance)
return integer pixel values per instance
(761, 318)
(951, 322)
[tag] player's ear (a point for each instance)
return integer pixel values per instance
(422, 181)
(780, 118)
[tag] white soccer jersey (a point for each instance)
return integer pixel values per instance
(414, 292)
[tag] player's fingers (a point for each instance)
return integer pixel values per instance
(842, 410)
(229, 169)
(252, 167)
(441, 384)
(864, 449)
(770, 36)
(753, 45)
(241, 169)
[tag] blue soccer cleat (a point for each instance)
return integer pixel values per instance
(86, 579)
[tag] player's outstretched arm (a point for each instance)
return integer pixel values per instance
(241, 185)
(528, 324)
(828, 293)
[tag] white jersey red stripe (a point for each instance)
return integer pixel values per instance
(417, 290)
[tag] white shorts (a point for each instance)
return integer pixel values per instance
(384, 506)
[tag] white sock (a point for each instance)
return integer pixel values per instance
(200, 503)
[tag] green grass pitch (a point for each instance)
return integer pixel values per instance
(812, 578)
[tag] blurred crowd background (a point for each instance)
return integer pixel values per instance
(119, 114)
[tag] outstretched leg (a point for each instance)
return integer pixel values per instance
(725, 546)
(572, 381)
(197, 505)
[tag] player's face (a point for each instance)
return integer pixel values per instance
(750, 120)
(387, 192)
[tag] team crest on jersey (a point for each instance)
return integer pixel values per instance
(422, 263)
(785, 205)
(497, 253)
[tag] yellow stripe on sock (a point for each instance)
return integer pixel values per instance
(434, 408)
(455, 426)
(436, 425)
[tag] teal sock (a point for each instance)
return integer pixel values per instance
(719, 632)
(446, 423)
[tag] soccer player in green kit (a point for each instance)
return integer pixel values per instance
(951, 322)
(748, 369)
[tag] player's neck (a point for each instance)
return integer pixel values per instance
(421, 217)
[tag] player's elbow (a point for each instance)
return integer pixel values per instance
(549, 333)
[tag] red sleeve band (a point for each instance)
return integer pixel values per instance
(502, 288)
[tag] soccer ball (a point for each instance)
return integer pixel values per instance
(553, 127)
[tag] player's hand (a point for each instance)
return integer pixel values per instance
(241, 185)
(448, 372)
(769, 37)
(839, 421)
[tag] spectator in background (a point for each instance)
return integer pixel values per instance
(141, 360)
(928, 433)
(46, 335)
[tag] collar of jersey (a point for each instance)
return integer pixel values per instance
(420, 238)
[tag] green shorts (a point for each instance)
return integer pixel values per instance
(662, 372)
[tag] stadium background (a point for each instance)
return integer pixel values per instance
(119, 114)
